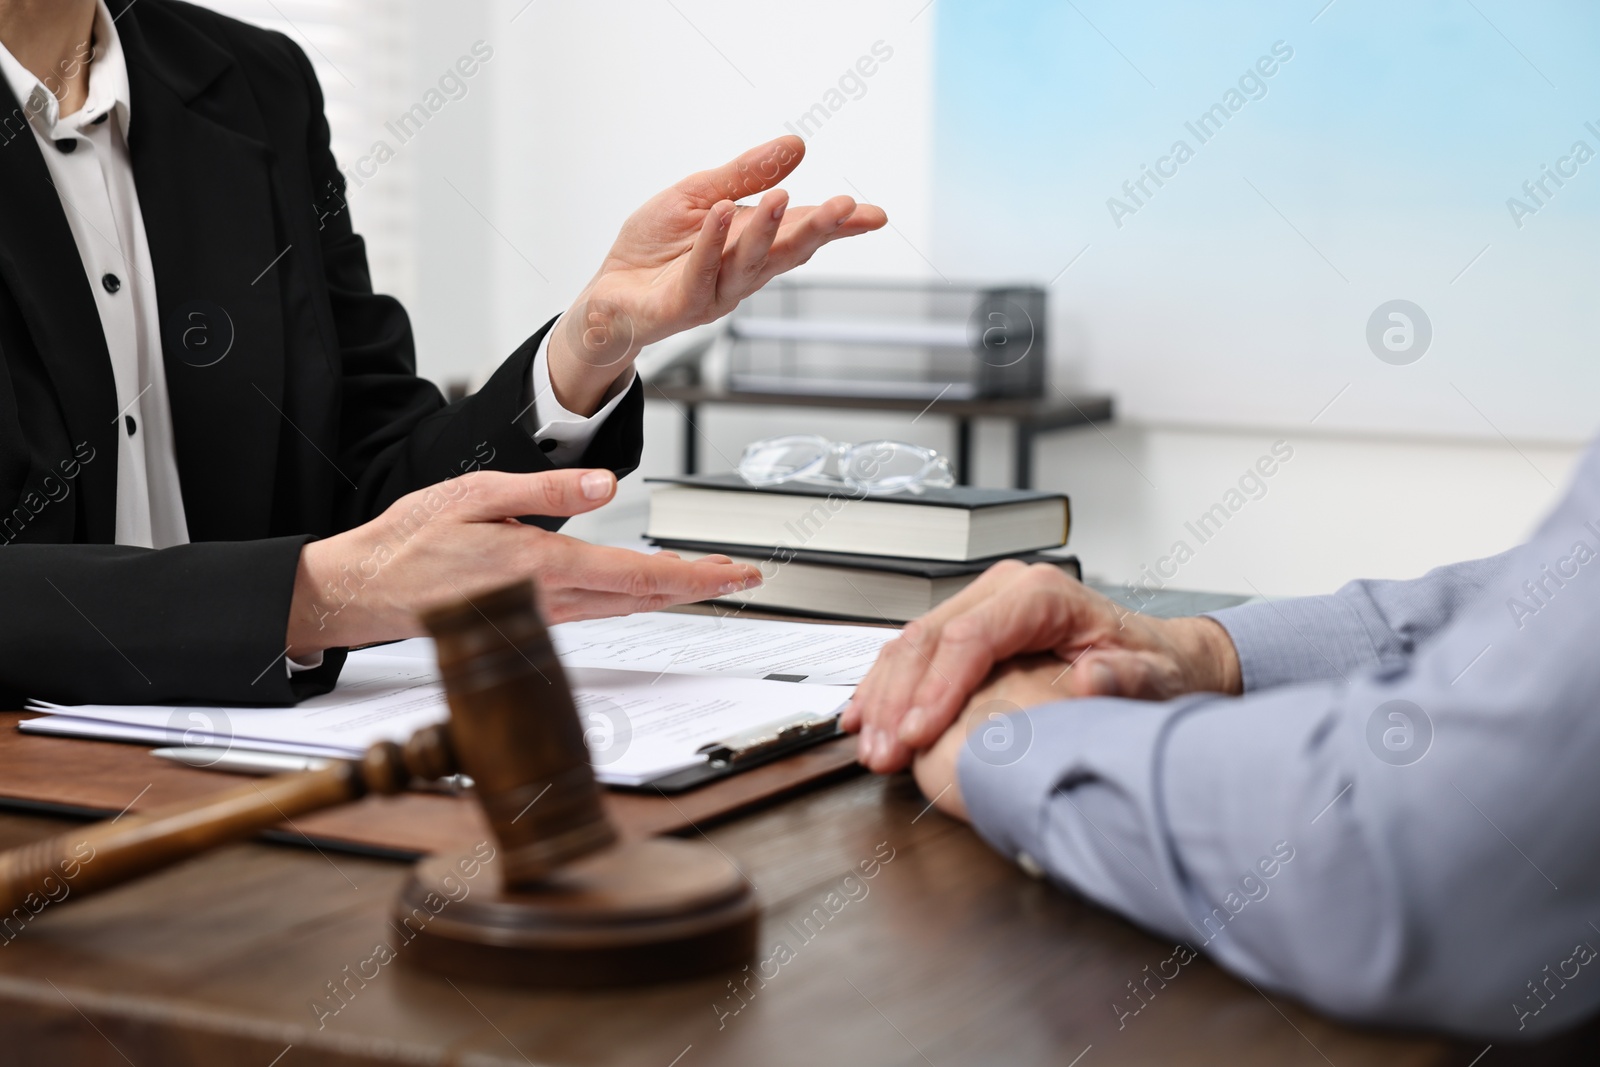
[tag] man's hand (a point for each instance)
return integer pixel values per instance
(1015, 687)
(925, 676)
(688, 256)
(461, 537)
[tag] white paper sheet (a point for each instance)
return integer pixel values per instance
(63, 725)
(638, 725)
(675, 643)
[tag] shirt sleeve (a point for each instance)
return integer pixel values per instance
(1413, 845)
(1365, 625)
(562, 435)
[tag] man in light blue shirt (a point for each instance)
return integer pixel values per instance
(1381, 802)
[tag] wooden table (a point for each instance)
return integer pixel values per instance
(949, 955)
(1029, 418)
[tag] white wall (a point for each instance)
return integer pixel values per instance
(1342, 507)
(452, 311)
(600, 106)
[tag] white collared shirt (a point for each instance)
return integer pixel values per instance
(87, 156)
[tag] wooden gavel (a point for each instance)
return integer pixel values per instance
(570, 906)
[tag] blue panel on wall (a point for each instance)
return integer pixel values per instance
(1246, 209)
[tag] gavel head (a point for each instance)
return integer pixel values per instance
(514, 729)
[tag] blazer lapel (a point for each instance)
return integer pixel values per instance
(39, 262)
(205, 191)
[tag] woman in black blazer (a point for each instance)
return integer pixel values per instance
(328, 492)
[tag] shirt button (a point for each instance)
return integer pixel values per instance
(68, 145)
(133, 427)
(101, 119)
(548, 445)
(1029, 865)
(111, 282)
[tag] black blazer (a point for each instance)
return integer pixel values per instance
(313, 421)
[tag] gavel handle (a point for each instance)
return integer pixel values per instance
(107, 854)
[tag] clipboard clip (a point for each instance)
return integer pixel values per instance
(761, 742)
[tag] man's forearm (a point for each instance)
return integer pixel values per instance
(1385, 846)
(1365, 625)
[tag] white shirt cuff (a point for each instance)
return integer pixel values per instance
(562, 435)
(310, 663)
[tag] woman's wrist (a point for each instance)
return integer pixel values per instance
(319, 621)
(590, 350)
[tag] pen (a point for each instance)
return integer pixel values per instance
(248, 761)
(239, 761)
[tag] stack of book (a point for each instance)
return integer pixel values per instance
(833, 552)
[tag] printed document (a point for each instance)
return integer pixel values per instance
(639, 725)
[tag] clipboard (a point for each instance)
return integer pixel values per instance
(744, 751)
(84, 779)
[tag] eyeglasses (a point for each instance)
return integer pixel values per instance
(873, 468)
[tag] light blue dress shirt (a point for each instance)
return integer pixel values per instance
(1399, 822)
